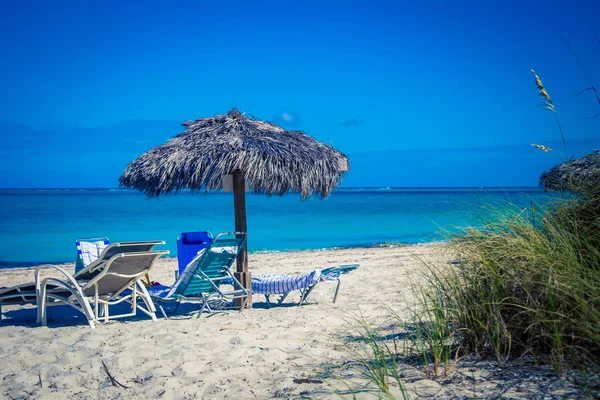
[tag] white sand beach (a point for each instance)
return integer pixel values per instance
(257, 354)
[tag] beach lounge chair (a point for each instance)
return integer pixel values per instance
(188, 246)
(26, 293)
(115, 281)
(203, 279)
(283, 285)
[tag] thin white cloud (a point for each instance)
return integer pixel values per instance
(287, 118)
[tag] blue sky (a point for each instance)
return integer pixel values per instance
(417, 93)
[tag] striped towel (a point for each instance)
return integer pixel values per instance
(88, 252)
(282, 284)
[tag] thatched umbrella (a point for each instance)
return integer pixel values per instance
(574, 174)
(258, 156)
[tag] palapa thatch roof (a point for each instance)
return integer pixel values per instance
(574, 174)
(272, 159)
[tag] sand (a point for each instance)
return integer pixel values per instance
(282, 352)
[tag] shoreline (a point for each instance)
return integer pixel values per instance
(7, 265)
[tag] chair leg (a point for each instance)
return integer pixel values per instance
(91, 315)
(162, 310)
(306, 293)
(282, 298)
(86, 308)
(206, 306)
(268, 301)
(202, 309)
(38, 301)
(302, 297)
(96, 306)
(41, 306)
(337, 289)
(146, 297)
(43, 316)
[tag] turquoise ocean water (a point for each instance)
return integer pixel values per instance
(41, 225)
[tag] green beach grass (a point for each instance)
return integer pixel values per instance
(520, 288)
(526, 284)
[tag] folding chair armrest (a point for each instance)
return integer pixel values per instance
(39, 269)
(60, 283)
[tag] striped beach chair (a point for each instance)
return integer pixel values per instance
(283, 285)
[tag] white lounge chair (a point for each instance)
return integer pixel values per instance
(116, 281)
(25, 293)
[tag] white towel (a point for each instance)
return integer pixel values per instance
(226, 249)
(88, 252)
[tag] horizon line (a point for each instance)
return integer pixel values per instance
(343, 187)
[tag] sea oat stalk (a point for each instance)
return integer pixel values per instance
(549, 105)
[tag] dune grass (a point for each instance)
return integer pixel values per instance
(525, 284)
(520, 288)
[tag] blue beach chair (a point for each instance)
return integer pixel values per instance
(207, 277)
(188, 246)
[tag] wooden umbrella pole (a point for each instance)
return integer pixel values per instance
(239, 205)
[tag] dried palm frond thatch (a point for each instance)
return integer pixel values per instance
(271, 159)
(574, 175)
